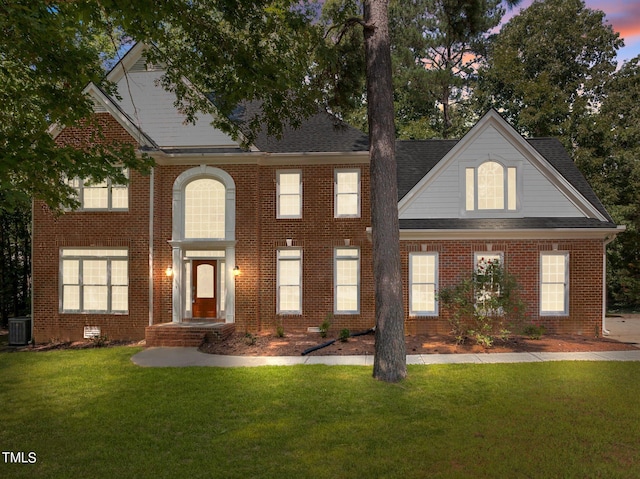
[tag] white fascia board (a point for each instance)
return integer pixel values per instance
(126, 62)
(512, 234)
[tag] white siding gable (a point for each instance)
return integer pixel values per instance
(151, 108)
(540, 192)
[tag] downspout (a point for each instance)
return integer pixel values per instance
(33, 225)
(607, 240)
(151, 210)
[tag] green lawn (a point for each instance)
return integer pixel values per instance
(93, 414)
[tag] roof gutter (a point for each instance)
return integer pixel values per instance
(520, 233)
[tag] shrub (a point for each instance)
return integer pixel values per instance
(345, 334)
(534, 331)
(485, 306)
(325, 325)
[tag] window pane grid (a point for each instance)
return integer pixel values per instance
(347, 280)
(97, 282)
(289, 281)
(105, 195)
(347, 193)
(289, 193)
(204, 209)
(423, 277)
(490, 186)
(554, 282)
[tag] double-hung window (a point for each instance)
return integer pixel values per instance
(105, 195)
(346, 191)
(423, 279)
(289, 194)
(94, 280)
(346, 281)
(490, 187)
(554, 283)
(488, 286)
(289, 300)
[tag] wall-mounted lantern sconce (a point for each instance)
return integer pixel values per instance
(169, 271)
(236, 270)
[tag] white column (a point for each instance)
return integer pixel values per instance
(177, 289)
(230, 299)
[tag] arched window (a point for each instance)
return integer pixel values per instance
(491, 186)
(204, 209)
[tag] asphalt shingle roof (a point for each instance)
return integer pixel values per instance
(321, 132)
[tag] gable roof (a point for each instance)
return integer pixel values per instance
(416, 158)
(428, 169)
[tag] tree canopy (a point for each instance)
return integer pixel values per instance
(48, 54)
(608, 153)
(547, 67)
(50, 50)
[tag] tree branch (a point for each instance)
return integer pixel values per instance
(346, 25)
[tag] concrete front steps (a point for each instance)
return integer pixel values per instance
(187, 334)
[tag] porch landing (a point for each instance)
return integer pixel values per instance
(187, 334)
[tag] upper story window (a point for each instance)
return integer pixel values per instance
(347, 193)
(204, 209)
(490, 186)
(289, 194)
(106, 195)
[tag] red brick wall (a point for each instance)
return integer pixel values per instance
(90, 229)
(316, 233)
(522, 259)
(258, 235)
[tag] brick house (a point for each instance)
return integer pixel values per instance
(219, 237)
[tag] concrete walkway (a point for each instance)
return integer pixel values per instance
(181, 357)
(624, 329)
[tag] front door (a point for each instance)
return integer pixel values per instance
(205, 284)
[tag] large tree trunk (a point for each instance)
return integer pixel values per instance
(390, 361)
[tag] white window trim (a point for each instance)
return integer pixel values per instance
(336, 259)
(335, 192)
(565, 311)
(413, 312)
(278, 196)
(486, 213)
(109, 258)
(279, 282)
(79, 186)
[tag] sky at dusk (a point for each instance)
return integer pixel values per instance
(623, 15)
